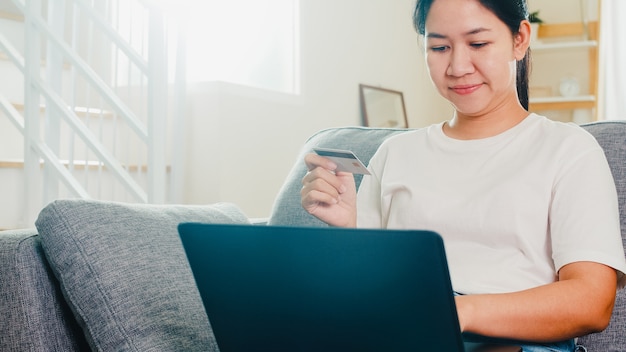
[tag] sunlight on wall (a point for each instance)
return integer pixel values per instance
(248, 42)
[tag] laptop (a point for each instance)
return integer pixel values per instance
(268, 288)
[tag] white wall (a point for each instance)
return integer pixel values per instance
(560, 11)
(243, 141)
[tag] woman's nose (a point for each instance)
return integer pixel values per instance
(460, 63)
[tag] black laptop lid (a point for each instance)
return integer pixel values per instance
(323, 289)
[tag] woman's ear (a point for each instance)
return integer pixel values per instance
(522, 40)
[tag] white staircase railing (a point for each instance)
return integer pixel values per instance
(95, 114)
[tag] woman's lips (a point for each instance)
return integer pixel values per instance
(466, 88)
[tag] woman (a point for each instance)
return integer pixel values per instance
(527, 207)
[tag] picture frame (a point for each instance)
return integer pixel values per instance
(382, 107)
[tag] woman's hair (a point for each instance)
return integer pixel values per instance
(511, 12)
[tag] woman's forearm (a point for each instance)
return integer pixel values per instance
(581, 302)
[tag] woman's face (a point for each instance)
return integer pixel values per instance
(471, 56)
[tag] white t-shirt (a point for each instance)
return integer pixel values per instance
(512, 209)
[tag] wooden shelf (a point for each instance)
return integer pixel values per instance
(563, 103)
(564, 45)
(573, 29)
(559, 36)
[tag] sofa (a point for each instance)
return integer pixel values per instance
(107, 276)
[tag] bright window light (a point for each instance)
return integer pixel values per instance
(247, 42)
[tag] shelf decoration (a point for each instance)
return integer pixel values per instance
(382, 107)
(535, 22)
(569, 87)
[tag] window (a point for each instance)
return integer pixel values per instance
(247, 42)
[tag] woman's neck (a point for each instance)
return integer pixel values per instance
(466, 127)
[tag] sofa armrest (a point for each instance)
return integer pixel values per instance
(259, 221)
(34, 315)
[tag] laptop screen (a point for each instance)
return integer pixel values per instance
(323, 289)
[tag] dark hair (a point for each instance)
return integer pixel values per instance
(511, 12)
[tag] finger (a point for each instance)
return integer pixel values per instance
(318, 173)
(313, 199)
(313, 161)
(327, 176)
(321, 185)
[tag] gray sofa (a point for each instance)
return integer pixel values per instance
(113, 277)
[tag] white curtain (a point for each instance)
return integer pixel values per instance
(612, 104)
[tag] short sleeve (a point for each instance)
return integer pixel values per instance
(584, 214)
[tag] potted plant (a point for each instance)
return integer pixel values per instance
(535, 22)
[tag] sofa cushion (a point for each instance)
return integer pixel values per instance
(34, 315)
(363, 141)
(123, 270)
(611, 135)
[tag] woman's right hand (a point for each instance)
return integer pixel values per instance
(328, 195)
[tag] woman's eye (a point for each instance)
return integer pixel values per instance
(439, 48)
(478, 45)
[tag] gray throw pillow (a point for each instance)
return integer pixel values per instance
(124, 273)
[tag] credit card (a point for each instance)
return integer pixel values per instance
(346, 160)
